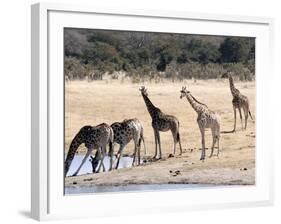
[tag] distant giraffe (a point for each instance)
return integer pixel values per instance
(124, 132)
(239, 101)
(206, 119)
(94, 137)
(161, 122)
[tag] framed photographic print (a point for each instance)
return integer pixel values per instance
(169, 109)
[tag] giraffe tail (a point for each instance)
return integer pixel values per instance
(110, 147)
(142, 138)
(139, 143)
(178, 133)
(178, 137)
(111, 138)
(250, 115)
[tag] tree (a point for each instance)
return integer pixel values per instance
(168, 54)
(74, 43)
(103, 54)
(202, 52)
(236, 49)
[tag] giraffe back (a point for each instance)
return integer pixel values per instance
(209, 119)
(125, 131)
(98, 136)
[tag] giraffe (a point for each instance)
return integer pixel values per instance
(161, 122)
(94, 137)
(239, 101)
(206, 119)
(124, 132)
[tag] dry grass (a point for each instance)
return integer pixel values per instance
(96, 102)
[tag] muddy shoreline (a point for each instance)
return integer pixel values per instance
(183, 169)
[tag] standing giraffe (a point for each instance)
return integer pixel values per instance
(94, 137)
(239, 101)
(206, 119)
(124, 132)
(161, 122)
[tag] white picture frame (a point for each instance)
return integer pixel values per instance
(48, 201)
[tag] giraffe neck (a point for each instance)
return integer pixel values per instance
(150, 107)
(233, 90)
(196, 105)
(76, 142)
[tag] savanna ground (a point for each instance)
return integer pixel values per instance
(92, 103)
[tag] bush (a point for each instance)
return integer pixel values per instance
(146, 56)
(73, 69)
(208, 71)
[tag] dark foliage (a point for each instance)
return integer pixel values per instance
(143, 54)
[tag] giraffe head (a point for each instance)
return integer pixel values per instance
(143, 91)
(94, 161)
(227, 74)
(184, 92)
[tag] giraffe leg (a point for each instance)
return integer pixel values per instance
(214, 141)
(202, 130)
(111, 156)
(99, 158)
(234, 110)
(156, 142)
(240, 116)
(139, 148)
(145, 151)
(176, 137)
(102, 150)
(175, 141)
(135, 154)
(119, 154)
(246, 114)
(218, 139)
(137, 141)
(142, 138)
(89, 151)
(159, 142)
(179, 139)
(103, 166)
(139, 157)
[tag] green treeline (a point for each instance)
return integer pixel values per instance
(142, 55)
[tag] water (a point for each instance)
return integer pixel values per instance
(133, 187)
(125, 162)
